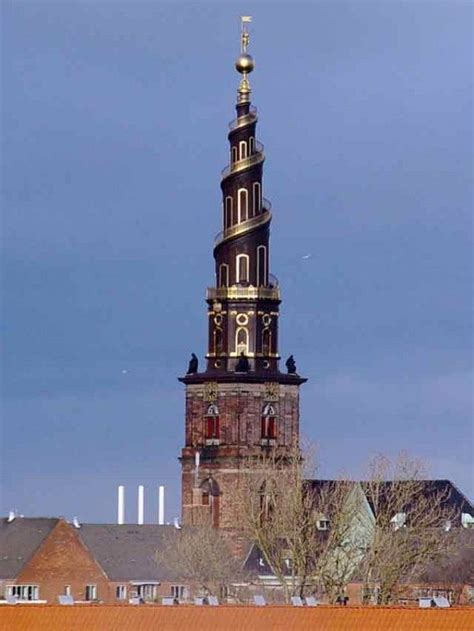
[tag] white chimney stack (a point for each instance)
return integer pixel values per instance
(161, 505)
(121, 505)
(141, 505)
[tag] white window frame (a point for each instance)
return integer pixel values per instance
(223, 271)
(243, 150)
(234, 154)
(247, 267)
(239, 349)
(67, 590)
(121, 592)
(262, 280)
(90, 593)
(28, 592)
(251, 145)
(257, 197)
(178, 591)
(147, 591)
(242, 193)
(228, 208)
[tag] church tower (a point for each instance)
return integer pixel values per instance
(241, 404)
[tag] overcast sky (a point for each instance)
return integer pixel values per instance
(114, 128)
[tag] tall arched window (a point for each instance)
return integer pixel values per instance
(242, 268)
(242, 341)
(210, 497)
(257, 197)
(266, 341)
(223, 275)
(268, 422)
(217, 341)
(212, 429)
(234, 154)
(242, 204)
(242, 149)
(228, 212)
(261, 266)
(251, 145)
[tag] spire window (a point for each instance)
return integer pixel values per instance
(257, 198)
(223, 275)
(262, 266)
(242, 268)
(251, 145)
(234, 154)
(242, 341)
(228, 212)
(242, 204)
(242, 150)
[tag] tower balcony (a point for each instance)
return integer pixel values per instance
(241, 121)
(240, 165)
(244, 226)
(246, 292)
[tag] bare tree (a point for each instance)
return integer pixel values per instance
(200, 556)
(409, 530)
(301, 529)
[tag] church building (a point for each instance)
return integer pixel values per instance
(241, 404)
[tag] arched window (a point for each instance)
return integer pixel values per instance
(261, 266)
(268, 422)
(210, 497)
(251, 145)
(242, 204)
(266, 341)
(242, 341)
(212, 429)
(228, 212)
(217, 341)
(242, 268)
(242, 149)
(223, 275)
(234, 154)
(257, 197)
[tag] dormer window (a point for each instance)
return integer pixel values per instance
(323, 524)
(212, 424)
(398, 521)
(268, 423)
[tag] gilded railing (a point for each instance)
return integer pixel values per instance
(241, 121)
(237, 292)
(245, 226)
(239, 165)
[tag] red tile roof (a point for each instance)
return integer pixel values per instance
(231, 618)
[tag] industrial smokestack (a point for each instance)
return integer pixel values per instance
(161, 505)
(121, 505)
(141, 504)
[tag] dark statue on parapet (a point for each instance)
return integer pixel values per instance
(193, 365)
(243, 364)
(291, 365)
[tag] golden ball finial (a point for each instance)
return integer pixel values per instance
(244, 63)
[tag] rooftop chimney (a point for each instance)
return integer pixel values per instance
(141, 504)
(161, 505)
(121, 505)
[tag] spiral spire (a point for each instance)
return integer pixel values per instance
(243, 307)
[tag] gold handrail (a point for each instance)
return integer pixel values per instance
(245, 226)
(245, 163)
(241, 121)
(245, 293)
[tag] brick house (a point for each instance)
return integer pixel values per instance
(44, 558)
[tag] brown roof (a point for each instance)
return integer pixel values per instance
(236, 618)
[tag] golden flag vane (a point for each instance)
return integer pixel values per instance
(245, 37)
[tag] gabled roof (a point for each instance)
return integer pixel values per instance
(451, 496)
(19, 540)
(128, 552)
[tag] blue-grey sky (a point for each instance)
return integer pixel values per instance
(114, 134)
